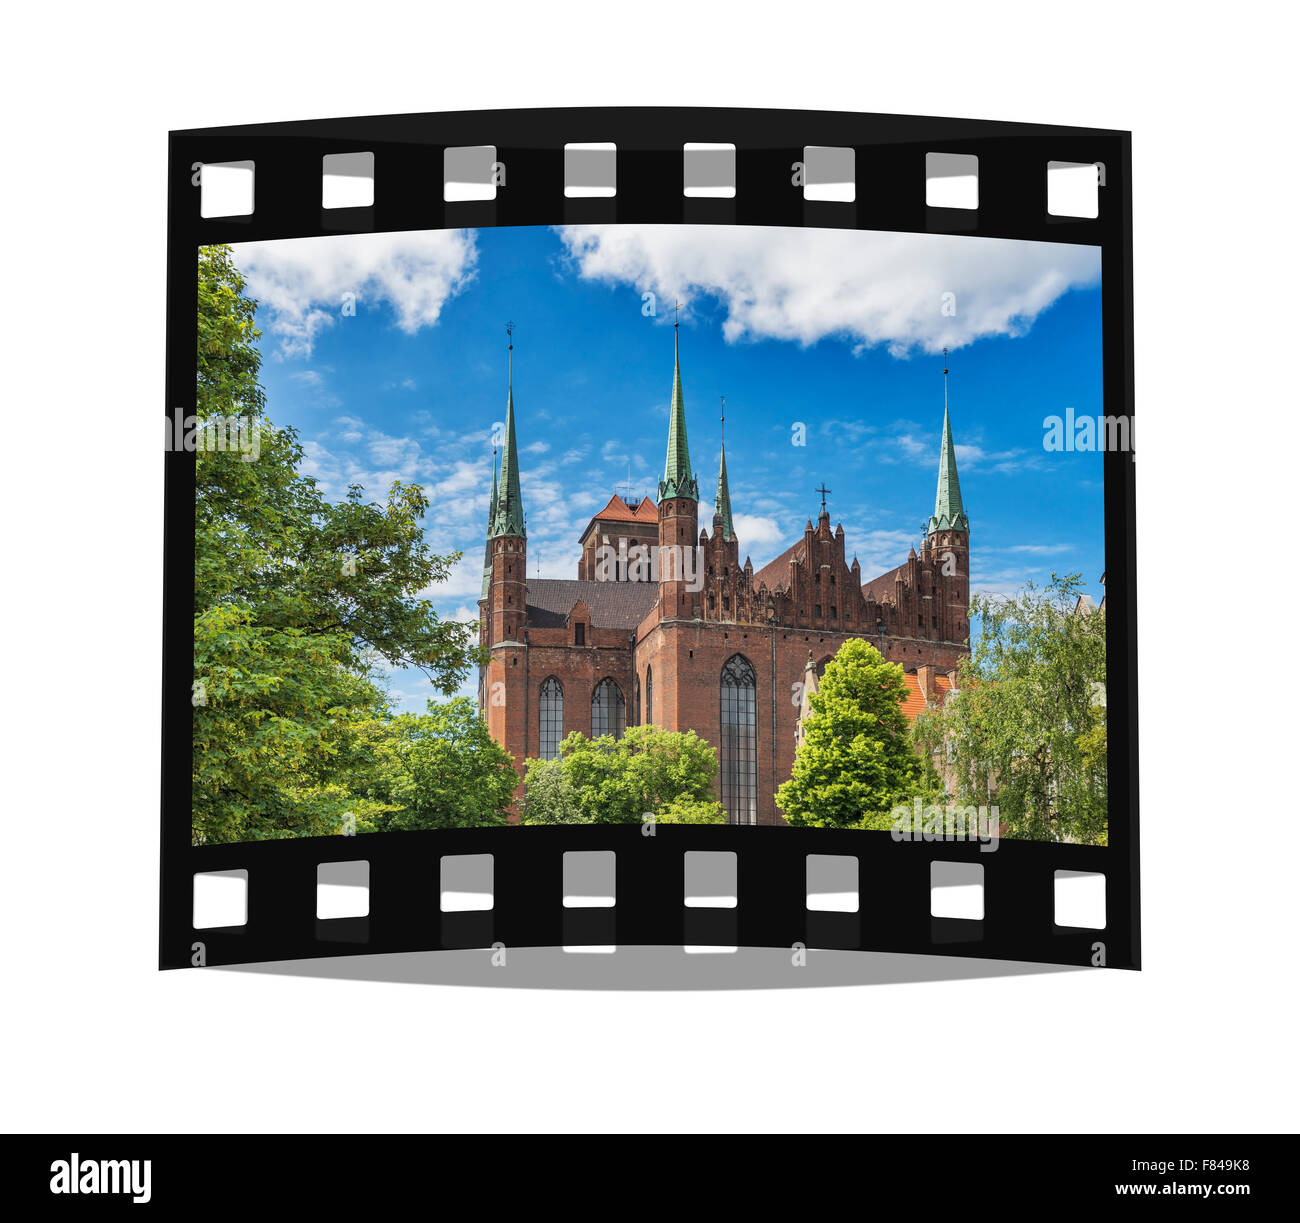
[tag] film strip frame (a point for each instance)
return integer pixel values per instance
(771, 890)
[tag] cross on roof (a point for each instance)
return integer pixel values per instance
(631, 488)
(823, 490)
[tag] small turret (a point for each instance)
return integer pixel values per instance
(722, 499)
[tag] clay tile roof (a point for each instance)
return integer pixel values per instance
(618, 510)
(777, 573)
(914, 702)
(611, 604)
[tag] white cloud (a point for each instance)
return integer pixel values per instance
(301, 282)
(970, 457)
(1004, 583)
(806, 284)
(878, 551)
(391, 450)
(464, 581)
(757, 535)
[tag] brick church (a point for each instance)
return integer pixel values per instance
(702, 641)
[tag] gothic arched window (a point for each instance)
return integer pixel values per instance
(551, 716)
(739, 755)
(608, 711)
(649, 697)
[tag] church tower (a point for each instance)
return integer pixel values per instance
(679, 496)
(947, 537)
(507, 544)
(504, 695)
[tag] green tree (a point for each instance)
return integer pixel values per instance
(443, 769)
(549, 794)
(857, 760)
(296, 601)
(617, 781)
(1027, 729)
(685, 810)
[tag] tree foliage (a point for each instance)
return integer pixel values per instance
(442, 769)
(550, 796)
(856, 761)
(684, 810)
(1027, 729)
(296, 601)
(617, 781)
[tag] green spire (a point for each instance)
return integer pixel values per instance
(509, 517)
(678, 479)
(722, 501)
(948, 511)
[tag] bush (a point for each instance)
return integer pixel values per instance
(618, 781)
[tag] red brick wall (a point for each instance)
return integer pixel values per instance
(923, 626)
(579, 669)
(677, 529)
(505, 700)
(687, 658)
(506, 594)
(637, 534)
(516, 673)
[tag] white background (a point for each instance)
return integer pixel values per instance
(95, 1038)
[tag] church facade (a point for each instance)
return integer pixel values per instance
(664, 624)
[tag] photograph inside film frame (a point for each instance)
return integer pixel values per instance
(613, 524)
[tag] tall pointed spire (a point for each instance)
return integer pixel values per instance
(679, 480)
(722, 501)
(948, 511)
(509, 518)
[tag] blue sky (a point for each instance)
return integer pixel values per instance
(387, 353)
